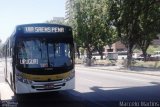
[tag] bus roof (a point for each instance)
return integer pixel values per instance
(41, 24)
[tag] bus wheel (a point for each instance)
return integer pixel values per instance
(13, 85)
(19, 97)
(11, 82)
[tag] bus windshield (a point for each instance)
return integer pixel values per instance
(42, 53)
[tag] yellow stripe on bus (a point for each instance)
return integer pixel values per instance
(46, 77)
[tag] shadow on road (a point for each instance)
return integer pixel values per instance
(52, 99)
(98, 97)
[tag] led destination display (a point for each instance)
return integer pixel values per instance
(43, 29)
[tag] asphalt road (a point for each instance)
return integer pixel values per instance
(95, 88)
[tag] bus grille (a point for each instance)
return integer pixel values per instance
(49, 80)
(49, 86)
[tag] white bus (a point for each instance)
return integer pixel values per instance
(40, 58)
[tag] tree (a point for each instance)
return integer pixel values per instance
(124, 15)
(85, 28)
(92, 27)
(105, 32)
(151, 49)
(149, 23)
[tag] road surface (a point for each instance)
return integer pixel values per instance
(95, 88)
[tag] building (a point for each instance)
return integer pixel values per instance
(119, 47)
(56, 20)
(116, 47)
(69, 9)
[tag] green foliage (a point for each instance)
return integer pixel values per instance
(151, 49)
(93, 31)
(124, 16)
(97, 23)
(149, 23)
(136, 50)
(82, 51)
(136, 21)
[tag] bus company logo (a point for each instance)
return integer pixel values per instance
(43, 29)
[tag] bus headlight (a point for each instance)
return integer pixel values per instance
(22, 79)
(71, 75)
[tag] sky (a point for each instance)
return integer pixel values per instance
(16, 12)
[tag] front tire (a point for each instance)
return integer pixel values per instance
(12, 84)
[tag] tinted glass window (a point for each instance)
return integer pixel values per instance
(40, 53)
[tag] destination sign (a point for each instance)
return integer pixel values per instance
(29, 61)
(43, 29)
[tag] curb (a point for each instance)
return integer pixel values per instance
(131, 72)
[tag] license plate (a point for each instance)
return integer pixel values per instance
(49, 86)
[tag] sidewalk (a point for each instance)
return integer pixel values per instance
(138, 70)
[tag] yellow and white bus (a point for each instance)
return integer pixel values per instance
(40, 58)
